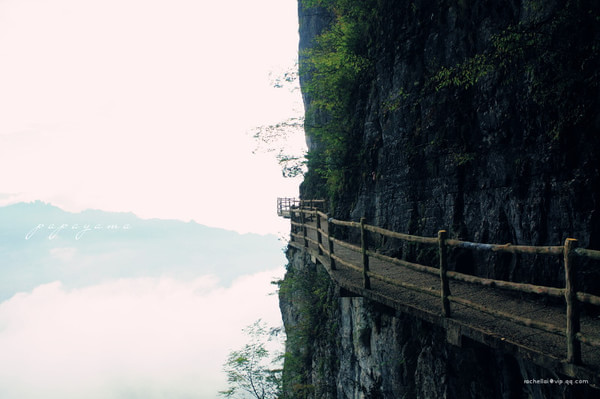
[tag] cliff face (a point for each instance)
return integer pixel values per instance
(512, 157)
(478, 117)
(350, 347)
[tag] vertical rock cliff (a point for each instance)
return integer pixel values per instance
(478, 117)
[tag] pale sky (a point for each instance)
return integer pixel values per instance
(140, 106)
(145, 106)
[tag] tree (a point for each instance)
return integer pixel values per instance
(254, 370)
(276, 138)
(285, 138)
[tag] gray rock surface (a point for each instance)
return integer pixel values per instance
(359, 349)
(482, 162)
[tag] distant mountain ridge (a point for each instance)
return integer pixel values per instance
(41, 243)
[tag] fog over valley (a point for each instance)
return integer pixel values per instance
(130, 307)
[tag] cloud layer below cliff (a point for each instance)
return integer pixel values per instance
(128, 338)
(150, 311)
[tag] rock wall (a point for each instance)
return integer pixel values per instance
(509, 156)
(358, 349)
(503, 160)
(505, 154)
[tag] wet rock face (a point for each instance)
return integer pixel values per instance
(389, 355)
(482, 162)
(312, 23)
(510, 156)
(478, 161)
(363, 350)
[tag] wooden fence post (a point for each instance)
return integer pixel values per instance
(319, 238)
(573, 325)
(365, 258)
(304, 232)
(330, 227)
(445, 287)
(293, 228)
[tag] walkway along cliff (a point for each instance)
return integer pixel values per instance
(491, 316)
(477, 118)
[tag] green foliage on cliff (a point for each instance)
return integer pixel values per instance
(555, 55)
(310, 292)
(455, 88)
(333, 70)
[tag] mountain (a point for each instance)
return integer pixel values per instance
(477, 117)
(41, 243)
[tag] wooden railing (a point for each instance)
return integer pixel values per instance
(286, 204)
(568, 251)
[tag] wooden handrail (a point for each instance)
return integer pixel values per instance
(344, 244)
(508, 285)
(309, 227)
(587, 253)
(323, 215)
(588, 298)
(409, 265)
(510, 317)
(344, 223)
(516, 249)
(588, 340)
(402, 236)
(404, 284)
(568, 251)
